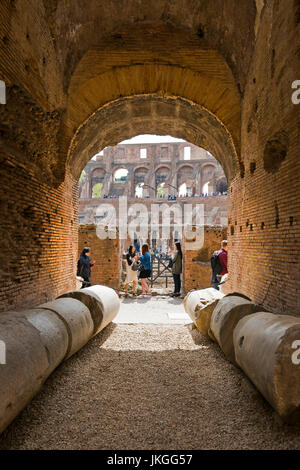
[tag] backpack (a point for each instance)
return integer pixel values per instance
(216, 263)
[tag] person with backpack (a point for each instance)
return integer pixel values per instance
(131, 271)
(84, 266)
(218, 263)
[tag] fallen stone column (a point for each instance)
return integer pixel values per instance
(267, 348)
(199, 305)
(102, 302)
(34, 342)
(26, 365)
(226, 315)
(77, 321)
(53, 334)
(238, 294)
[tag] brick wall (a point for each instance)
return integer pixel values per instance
(264, 238)
(38, 233)
(107, 256)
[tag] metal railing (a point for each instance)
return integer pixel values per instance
(161, 268)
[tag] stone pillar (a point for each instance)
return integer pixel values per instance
(130, 178)
(173, 176)
(199, 180)
(88, 185)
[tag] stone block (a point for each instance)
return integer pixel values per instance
(267, 348)
(199, 305)
(227, 313)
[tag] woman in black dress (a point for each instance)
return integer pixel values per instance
(84, 267)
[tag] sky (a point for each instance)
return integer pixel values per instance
(151, 139)
(147, 139)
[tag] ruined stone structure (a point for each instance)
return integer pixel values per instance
(108, 256)
(153, 165)
(149, 166)
(80, 76)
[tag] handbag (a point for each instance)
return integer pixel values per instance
(135, 266)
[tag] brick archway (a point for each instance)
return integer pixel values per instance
(80, 78)
(152, 114)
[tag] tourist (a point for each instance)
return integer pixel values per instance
(84, 265)
(145, 272)
(219, 265)
(176, 263)
(131, 275)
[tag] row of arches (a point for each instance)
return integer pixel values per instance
(188, 180)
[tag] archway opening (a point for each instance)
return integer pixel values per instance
(161, 190)
(165, 178)
(139, 190)
(185, 190)
(222, 186)
(97, 190)
(120, 175)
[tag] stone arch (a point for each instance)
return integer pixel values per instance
(185, 175)
(202, 77)
(141, 168)
(162, 166)
(152, 114)
(208, 170)
(161, 174)
(185, 165)
(118, 168)
(98, 172)
(185, 172)
(140, 171)
(96, 189)
(97, 178)
(208, 177)
(141, 176)
(159, 179)
(221, 184)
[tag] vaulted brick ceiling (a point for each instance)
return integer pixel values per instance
(82, 56)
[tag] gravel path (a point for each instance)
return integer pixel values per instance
(149, 387)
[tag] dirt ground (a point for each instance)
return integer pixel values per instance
(149, 386)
